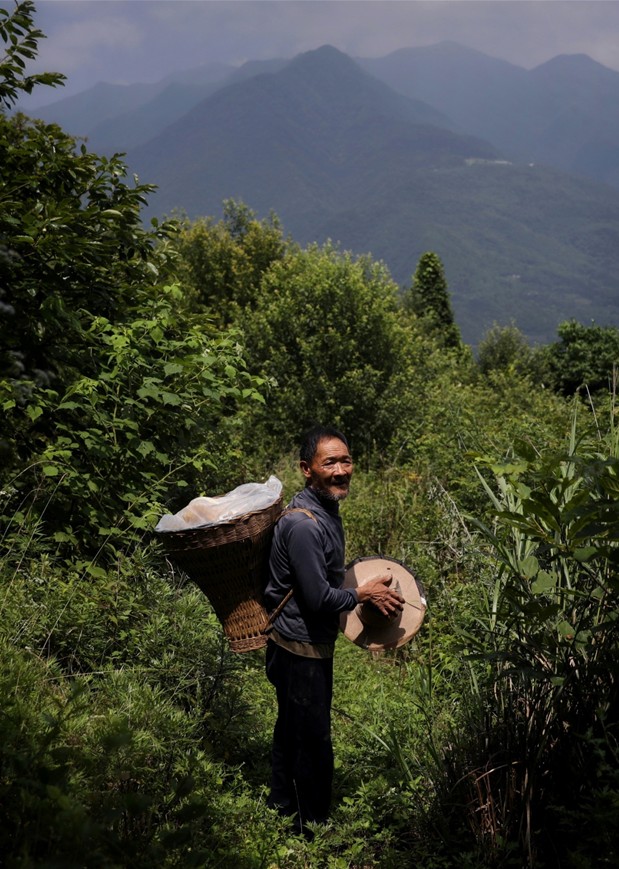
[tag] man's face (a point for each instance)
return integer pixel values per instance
(330, 470)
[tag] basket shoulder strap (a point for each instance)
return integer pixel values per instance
(288, 594)
(288, 510)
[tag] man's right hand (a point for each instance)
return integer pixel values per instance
(388, 601)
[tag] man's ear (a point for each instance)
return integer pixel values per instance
(305, 470)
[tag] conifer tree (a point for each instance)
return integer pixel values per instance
(428, 297)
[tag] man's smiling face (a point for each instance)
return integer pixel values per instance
(330, 470)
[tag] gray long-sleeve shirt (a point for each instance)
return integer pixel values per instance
(308, 556)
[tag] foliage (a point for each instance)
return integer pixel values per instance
(73, 241)
(113, 446)
(584, 357)
(549, 634)
(112, 390)
(446, 414)
(21, 38)
(428, 298)
(115, 695)
(325, 331)
(505, 348)
(222, 262)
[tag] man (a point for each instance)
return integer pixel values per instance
(307, 556)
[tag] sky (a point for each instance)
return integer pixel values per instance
(129, 41)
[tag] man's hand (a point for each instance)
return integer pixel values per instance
(377, 592)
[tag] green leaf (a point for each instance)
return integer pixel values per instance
(63, 537)
(145, 448)
(529, 566)
(96, 572)
(543, 583)
(51, 470)
(34, 411)
(566, 630)
(585, 553)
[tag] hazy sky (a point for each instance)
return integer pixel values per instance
(126, 41)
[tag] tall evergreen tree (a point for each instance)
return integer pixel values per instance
(428, 297)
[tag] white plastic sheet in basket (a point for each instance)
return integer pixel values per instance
(202, 512)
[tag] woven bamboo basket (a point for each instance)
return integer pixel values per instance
(228, 562)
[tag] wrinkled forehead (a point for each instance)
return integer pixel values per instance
(331, 448)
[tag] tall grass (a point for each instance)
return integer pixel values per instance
(543, 743)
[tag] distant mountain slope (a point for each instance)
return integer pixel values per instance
(144, 122)
(564, 113)
(527, 244)
(296, 141)
(114, 117)
(338, 153)
(580, 127)
(78, 114)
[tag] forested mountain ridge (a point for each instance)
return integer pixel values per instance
(299, 141)
(338, 155)
(563, 113)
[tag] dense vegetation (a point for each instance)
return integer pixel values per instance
(141, 366)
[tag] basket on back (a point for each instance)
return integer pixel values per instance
(228, 561)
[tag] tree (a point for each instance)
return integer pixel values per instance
(112, 390)
(18, 33)
(221, 263)
(73, 240)
(584, 356)
(325, 333)
(428, 298)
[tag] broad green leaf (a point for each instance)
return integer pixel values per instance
(529, 566)
(145, 448)
(566, 630)
(96, 572)
(585, 553)
(543, 583)
(34, 411)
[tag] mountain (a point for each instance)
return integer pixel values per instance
(79, 113)
(145, 121)
(297, 141)
(115, 117)
(339, 153)
(580, 127)
(564, 113)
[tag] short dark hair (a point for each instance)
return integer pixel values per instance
(311, 439)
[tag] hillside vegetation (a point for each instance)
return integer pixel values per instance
(143, 366)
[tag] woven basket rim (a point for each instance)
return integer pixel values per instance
(207, 526)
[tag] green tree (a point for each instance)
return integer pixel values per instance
(112, 390)
(222, 263)
(584, 356)
(428, 297)
(503, 348)
(21, 38)
(73, 241)
(325, 330)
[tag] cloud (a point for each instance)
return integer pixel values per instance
(144, 40)
(78, 40)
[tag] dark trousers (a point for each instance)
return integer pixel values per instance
(302, 755)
